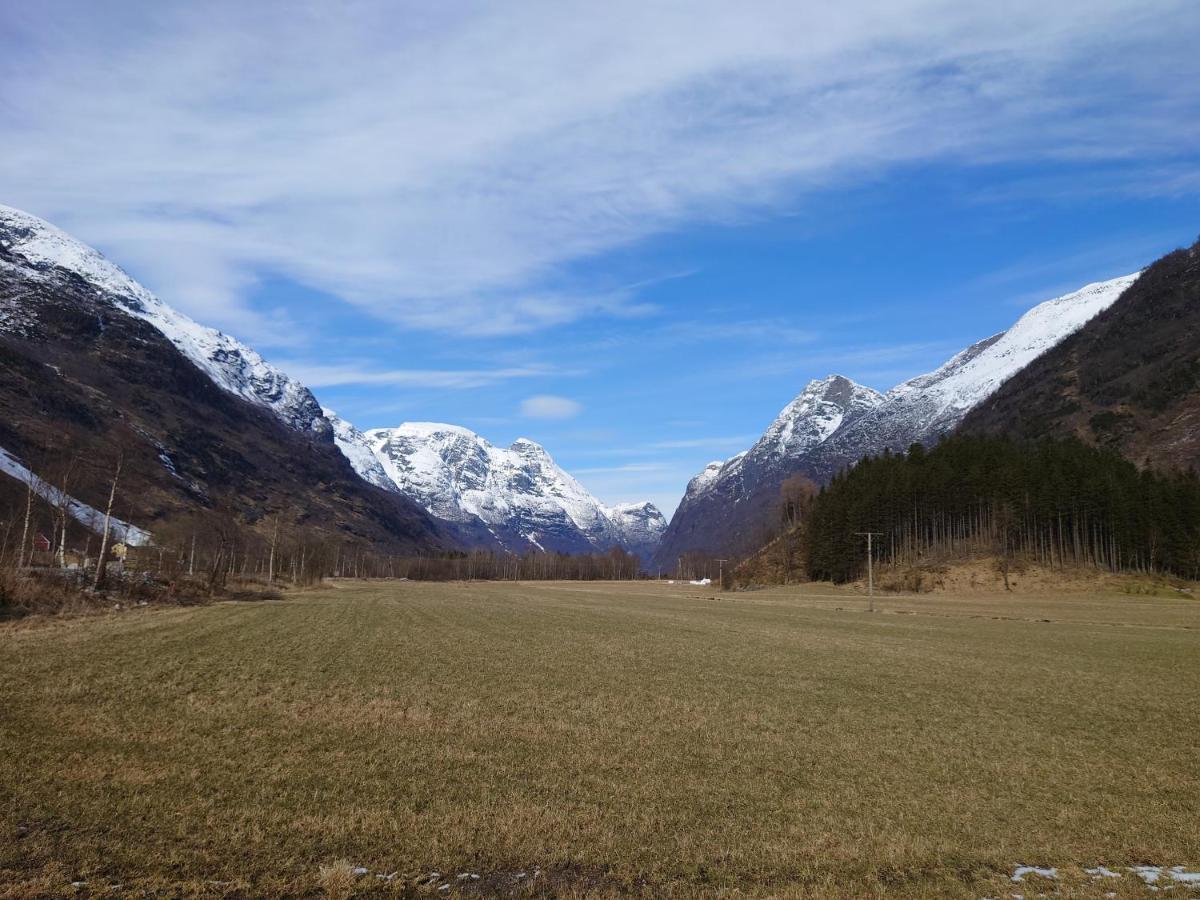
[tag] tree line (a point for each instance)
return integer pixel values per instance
(1056, 502)
(208, 553)
(485, 565)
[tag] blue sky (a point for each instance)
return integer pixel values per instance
(632, 231)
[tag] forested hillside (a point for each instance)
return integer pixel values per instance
(1055, 502)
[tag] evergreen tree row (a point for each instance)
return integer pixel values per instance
(1056, 501)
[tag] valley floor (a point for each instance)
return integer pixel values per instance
(602, 739)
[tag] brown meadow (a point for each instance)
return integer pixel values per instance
(601, 739)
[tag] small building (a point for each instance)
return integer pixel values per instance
(41, 543)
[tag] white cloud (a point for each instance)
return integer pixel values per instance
(441, 167)
(317, 375)
(548, 406)
(740, 441)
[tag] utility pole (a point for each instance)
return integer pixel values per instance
(870, 567)
(721, 573)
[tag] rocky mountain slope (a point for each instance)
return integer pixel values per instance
(926, 407)
(516, 498)
(92, 363)
(641, 526)
(724, 508)
(38, 246)
(1129, 379)
(64, 305)
(730, 507)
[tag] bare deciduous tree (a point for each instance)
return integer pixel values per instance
(102, 560)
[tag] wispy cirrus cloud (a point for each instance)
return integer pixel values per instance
(442, 167)
(892, 362)
(739, 441)
(317, 375)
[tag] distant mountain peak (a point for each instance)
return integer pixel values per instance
(816, 413)
(517, 497)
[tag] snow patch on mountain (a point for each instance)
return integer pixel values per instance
(974, 375)
(819, 411)
(641, 526)
(356, 447)
(85, 515)
(928, 406)
(834, 423)
(710, 473)
(44, 249)
(816, 413)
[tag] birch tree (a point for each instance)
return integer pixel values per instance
(102, 560)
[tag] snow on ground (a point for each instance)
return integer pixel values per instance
(1020, 872)
(1152, 874)
(79, 511)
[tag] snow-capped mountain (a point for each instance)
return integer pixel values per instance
(819, 411)
(824, 406)
(924, 408)
(641, 526)
(47, 252)
(517, 496)
(712, 473)
(710, 515)
(1125, 380)
(93, 365)
(834, 423)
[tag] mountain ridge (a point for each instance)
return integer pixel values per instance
(86, 376)
(231, 364)
(728, 510)
(1129, 380)
(714, 501)
(516, 498)
(37, 249)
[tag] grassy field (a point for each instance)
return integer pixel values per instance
(578, 739)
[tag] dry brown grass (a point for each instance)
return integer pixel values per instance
(601, 740)
(986, 574)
